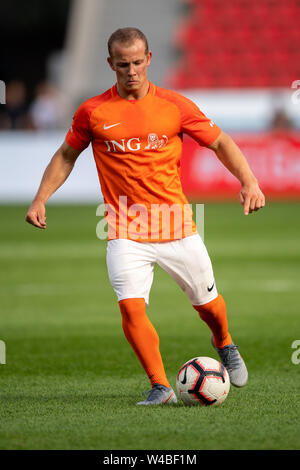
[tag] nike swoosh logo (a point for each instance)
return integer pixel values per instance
(169, 398)
(112, 125)
(211, 288)
(184, 377)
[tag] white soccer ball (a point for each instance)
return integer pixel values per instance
(203, 381)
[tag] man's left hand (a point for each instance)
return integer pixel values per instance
(251, 197)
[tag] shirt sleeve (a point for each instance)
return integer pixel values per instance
(196, 124)
(79, 135)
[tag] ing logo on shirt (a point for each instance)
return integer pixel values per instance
(134, 144)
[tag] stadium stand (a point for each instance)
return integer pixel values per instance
(237, 44)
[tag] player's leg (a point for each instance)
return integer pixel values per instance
(143, 338)
(214, 314)
(188, 262)
(130, 268)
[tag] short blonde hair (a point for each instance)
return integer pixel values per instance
(127, 35)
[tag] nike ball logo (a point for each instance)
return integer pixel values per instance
(210, 288)
(112, 125)
(184, 377)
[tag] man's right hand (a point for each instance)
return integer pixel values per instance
(54, 176)
(36, 215)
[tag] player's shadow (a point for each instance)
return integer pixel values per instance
(58, 399)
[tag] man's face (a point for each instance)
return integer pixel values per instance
(130, 63)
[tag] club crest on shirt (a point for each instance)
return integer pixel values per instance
(155, 143)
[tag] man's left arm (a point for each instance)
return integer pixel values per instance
(251, 197)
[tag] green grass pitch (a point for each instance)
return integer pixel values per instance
(71, 380)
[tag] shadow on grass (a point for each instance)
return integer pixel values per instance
(109, 399)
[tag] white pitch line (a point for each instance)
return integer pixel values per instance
(27, 290)
(70, 250)
(266, 285)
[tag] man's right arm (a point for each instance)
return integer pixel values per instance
(54, 176)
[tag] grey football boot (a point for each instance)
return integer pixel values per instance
(159, 395)
(234, 363)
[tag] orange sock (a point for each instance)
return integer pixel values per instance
(143, 338)
(215, 316)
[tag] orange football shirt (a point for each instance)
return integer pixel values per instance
(137, 146)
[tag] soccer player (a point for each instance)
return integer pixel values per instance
(136, 130)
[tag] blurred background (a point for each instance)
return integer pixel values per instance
(238, 60)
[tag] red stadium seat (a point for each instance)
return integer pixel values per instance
(239, 43)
